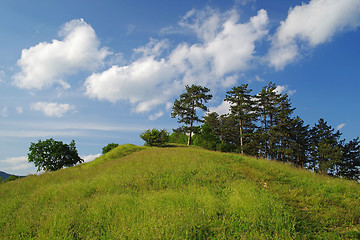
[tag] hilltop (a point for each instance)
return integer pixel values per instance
(179, 192)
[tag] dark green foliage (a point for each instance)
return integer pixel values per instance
(225, 147)
(185, 108)
(206, 138)
(326, 152)
(109, 147)
(155, 137)
(299, 142)
(242, 110)
(12, 178)
(178, 136)
(51, 155)
(274, 112)
(350, 164)
(262, 125)
(213, 121)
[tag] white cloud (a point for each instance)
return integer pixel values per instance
(155, 116)
(16, 160)
(17, 165)
(280, 89)
(51, 109)
(229, 81)
(309, 25)
(4, 112)
(223, 108)
(225, 46)
(47, 63)
(284, 89)
(145, 83)
(340, 126)
(89, 158)
(152, 48)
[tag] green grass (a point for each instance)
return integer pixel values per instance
(179, 193)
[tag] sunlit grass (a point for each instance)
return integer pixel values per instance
(179, 193)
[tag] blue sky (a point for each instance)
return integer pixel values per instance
(104, 71)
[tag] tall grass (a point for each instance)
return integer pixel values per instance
(179, 193)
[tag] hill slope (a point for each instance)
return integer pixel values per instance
(179, 193)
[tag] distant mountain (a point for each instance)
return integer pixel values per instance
(4, 175)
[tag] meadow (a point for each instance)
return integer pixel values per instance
(179, 192)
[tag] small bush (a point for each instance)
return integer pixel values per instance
(109, 147)
(155, 137)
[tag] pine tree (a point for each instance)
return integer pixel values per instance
(267, 101)
(212, 119)
(325, 148)
(281, 128)
(300, 142)
(241, 107)
(350, 164)
(185, 108)
(229, 132)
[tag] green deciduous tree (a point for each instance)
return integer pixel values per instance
(51, 155)
(155, 137)
(109, 147)
(185, 108)
(206, 138)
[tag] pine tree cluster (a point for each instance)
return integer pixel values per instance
(263, 125)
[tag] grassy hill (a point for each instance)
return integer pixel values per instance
(179, 193)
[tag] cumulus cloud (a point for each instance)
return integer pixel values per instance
(223, 108)
(309, 25)
(145, 83)
(52, 109)
(48, 63)
(225, 46)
